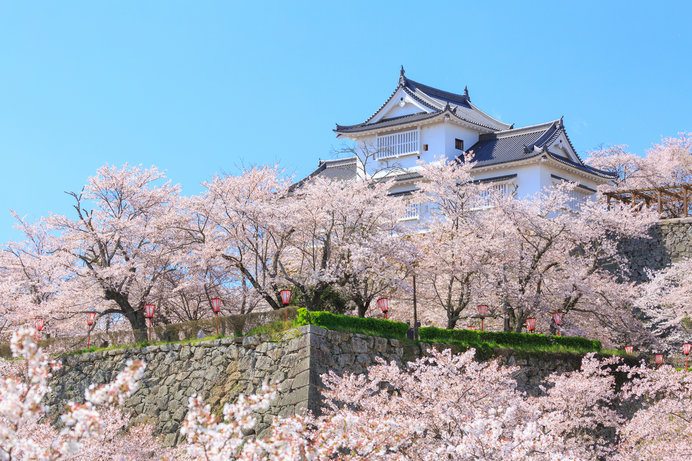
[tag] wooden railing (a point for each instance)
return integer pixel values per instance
(394, 145)
(412, 212)
(669, 201)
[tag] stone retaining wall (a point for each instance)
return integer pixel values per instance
(671, 241)
(220, 370)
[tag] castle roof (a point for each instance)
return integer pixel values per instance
(527, 142)
(342, 168)
(435, 103)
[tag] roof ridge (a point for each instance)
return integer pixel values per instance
(383, 104)
(413, 95)
(528, 128)
(423, 87)
(473, 106)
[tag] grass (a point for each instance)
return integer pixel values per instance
(367, 326)
(489, 349)
(618, 352)
(142, 344)
(276, 329)
(356, 330)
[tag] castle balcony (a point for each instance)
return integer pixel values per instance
(398, 144)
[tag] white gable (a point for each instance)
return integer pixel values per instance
(399, 104)
(562, 147)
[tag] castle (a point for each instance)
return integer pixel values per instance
(419, 123)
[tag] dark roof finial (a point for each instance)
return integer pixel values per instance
(402, 78)
(560, 122)
(466, 92)
(447, 106)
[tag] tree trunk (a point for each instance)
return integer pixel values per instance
(138, 322)
(415, 310)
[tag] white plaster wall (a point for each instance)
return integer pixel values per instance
(452, 132)
(550, 169)
(528, 178)
(392, 108)
(440, 140)
(398, 111)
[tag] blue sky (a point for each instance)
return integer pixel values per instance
(202, 87)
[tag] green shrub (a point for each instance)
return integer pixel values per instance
(367, 326)
(274, 329)
(330, 300)
(507, 339)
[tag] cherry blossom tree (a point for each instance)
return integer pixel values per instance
(659, 429)
(125, 239)
(453, 248)
(442, 406)
(554, 257)
(31, 272)
(666, 163)
(665, 304)
(20, 405)
(344, 233)
(241, 220)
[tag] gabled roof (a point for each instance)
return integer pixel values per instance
(435, 101)
(525, 143)
(341, 168)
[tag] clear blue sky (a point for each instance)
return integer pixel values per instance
(202, 87)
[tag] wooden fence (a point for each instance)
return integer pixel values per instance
(669, 201)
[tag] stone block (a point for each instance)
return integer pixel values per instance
(359, 345)
(250, 342)
(302, 379)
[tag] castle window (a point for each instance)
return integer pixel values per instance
(397, 144)
(459, 144)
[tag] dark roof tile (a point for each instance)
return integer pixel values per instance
(433, 99)
(518, 144)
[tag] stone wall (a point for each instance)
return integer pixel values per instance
(671, 241)
(220, 370)
(227, 325)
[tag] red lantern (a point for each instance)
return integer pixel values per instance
(557, 318)
(531, 324)
(90, 317)
(216, 306)
(286, 300)
(39, 327)
(383, 303)
(686, 348)
(286, 297)
(659, 359)
(629, 349)
(149, 313)
(482, 311)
